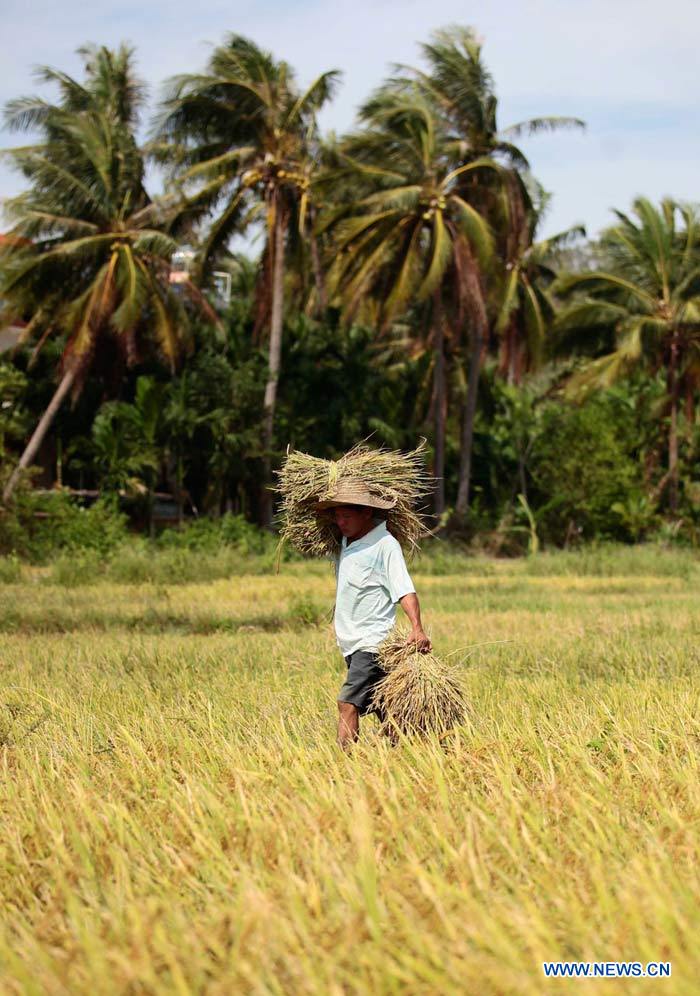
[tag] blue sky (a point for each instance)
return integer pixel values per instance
(627, 67)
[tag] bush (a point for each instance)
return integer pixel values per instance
(609, 560)
(440, 558)
(10, 569)
(304, 611)
(139, 563)
(79, 567)
(40, 525)
(587, 477)
(210, 535)
(83, 544)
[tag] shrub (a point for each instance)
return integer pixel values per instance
(305, 611)
(40, 525)
(586, 475)
(210, 535)
(138, 562)
(10, 569)
(610, 559)
(76, 568)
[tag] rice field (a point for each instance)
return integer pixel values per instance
(177, 818)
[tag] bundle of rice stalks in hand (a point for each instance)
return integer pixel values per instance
(420, 694)
(394, 479)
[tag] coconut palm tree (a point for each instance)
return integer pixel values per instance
(463, 92)
(526, 309)
(407, 234)
(90, 261)
(648, 294)
(240, 139)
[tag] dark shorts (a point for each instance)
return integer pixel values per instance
(363, 674)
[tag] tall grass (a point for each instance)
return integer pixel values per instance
(178, 818)
(10, 569)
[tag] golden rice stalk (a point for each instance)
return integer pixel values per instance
(420, 694)
(304, 480)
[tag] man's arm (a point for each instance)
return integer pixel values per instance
(411, 606)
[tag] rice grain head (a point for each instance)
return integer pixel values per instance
(420, 695)
(304, 480)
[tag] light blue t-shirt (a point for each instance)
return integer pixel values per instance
(371, 576)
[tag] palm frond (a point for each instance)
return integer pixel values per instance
(601, 373)
(26, 113)
(602, 282)
(323, 89)
(583, 315)
(689, 286)
(405, 198)
(508, 303)
(133, 289)
(440, 256)
(535, 126)
(474, 227)
(536, 314)
(154, 243)
(406, 275)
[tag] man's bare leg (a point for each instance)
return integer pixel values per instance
(348, 724)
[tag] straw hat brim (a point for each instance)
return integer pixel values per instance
(370, 501)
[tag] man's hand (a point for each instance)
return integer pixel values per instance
(421, 640)
(411, 607)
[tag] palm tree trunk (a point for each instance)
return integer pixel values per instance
(479, 324)
(151, 502)
(465, 467)
(180, 498)
(673, 430)
(512, 354)
(59, 462)
(439, 393)
(322, 297)
(39, 433)
(275, 354)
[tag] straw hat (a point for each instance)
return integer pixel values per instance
(354, 492)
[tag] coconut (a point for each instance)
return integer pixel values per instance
(390, 475)
(420, 694)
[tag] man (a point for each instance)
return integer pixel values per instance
(371, 578)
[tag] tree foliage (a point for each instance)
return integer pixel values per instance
(402, 289)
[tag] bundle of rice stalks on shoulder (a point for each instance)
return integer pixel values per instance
(420, 694)
(398, 482)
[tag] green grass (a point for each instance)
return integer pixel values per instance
(178, 818)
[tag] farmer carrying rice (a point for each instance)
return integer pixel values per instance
(371, 578)
(359, 511)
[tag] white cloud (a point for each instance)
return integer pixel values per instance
(626, 66)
